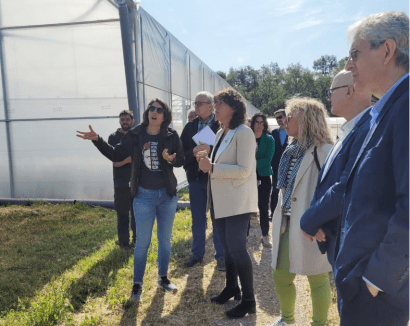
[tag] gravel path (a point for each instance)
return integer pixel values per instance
(267, 302)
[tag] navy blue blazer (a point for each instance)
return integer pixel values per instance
(279, 149)
(325, 208)
(374, 228)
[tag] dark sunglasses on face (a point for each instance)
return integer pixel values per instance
(153, 108)
(279, 117)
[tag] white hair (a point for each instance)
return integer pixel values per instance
(379, 27)
(209, 96)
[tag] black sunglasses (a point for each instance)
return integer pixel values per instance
(159, 110)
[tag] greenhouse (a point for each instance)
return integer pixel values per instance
(66, 65)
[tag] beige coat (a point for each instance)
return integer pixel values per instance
(305, 257)
(233, 180)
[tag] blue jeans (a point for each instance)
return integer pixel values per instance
(148, 204)
(198, 199)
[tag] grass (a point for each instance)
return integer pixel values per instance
(55, 258)
(183, 194)
(59, 265)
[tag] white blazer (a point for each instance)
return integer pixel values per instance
(304, 256)
(233, 180)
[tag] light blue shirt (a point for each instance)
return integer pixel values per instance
(282, 134)
(383, 100)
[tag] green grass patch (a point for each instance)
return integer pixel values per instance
(183, 194)
(55, 259)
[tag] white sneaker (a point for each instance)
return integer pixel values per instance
(281, 322)
(266, 241)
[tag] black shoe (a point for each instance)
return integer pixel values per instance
(226, 294)
(220, 265)
(245, 307)
(124, 246)
(136, 293)
(192, 261)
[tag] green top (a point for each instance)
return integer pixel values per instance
(266, 150)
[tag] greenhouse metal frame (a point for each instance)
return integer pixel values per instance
(66, 65)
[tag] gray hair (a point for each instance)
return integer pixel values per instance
(209, 96)
(379, 27)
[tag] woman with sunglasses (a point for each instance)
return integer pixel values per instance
(154, 149)
(265, 148)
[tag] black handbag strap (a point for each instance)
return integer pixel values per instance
(316, 159)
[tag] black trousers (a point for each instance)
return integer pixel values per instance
(123, 206)
(264, 190)
(232, 234)
(275, 193)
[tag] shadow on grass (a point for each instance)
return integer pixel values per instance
(98, 278)
(129, 317)
(191, 298)
(37, 263)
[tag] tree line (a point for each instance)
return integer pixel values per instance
(269, 87)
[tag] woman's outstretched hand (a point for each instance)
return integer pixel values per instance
(87, 135)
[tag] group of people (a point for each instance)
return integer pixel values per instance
(340, 207)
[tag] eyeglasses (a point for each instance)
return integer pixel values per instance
(353, 54)
(199, 103)
(279, 117)
(159, 110)
(259, 123)
(331, 90)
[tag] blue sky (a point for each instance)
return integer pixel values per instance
(226, 33)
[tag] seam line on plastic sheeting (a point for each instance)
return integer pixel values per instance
(68, 118)
(61, 24)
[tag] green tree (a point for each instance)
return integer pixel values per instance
(246, 77)
(341, 65)
(321, 84)
(222, 74)
(325, 64)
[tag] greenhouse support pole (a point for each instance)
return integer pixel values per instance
(6, 116)
(142, 63)
(170, 71)
(126, 10)
(136, 44)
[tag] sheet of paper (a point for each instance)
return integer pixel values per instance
(206, 135)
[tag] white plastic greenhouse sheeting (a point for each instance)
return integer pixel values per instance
(74, 74)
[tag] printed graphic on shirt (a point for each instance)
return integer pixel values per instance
(150, 155)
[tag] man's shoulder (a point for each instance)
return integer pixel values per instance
(115, 137)
(115, 133)
(189, 127)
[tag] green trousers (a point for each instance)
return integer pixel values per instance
(286, 291)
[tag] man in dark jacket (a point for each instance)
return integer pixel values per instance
(281, 141)
(122, 193)
(323, 216)
(198, 180)
(372, 251)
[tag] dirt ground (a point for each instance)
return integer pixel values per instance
(267, 301)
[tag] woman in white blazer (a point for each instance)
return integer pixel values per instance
(233, 194)
(292, 253)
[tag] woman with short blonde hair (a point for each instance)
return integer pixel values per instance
(292, 253)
